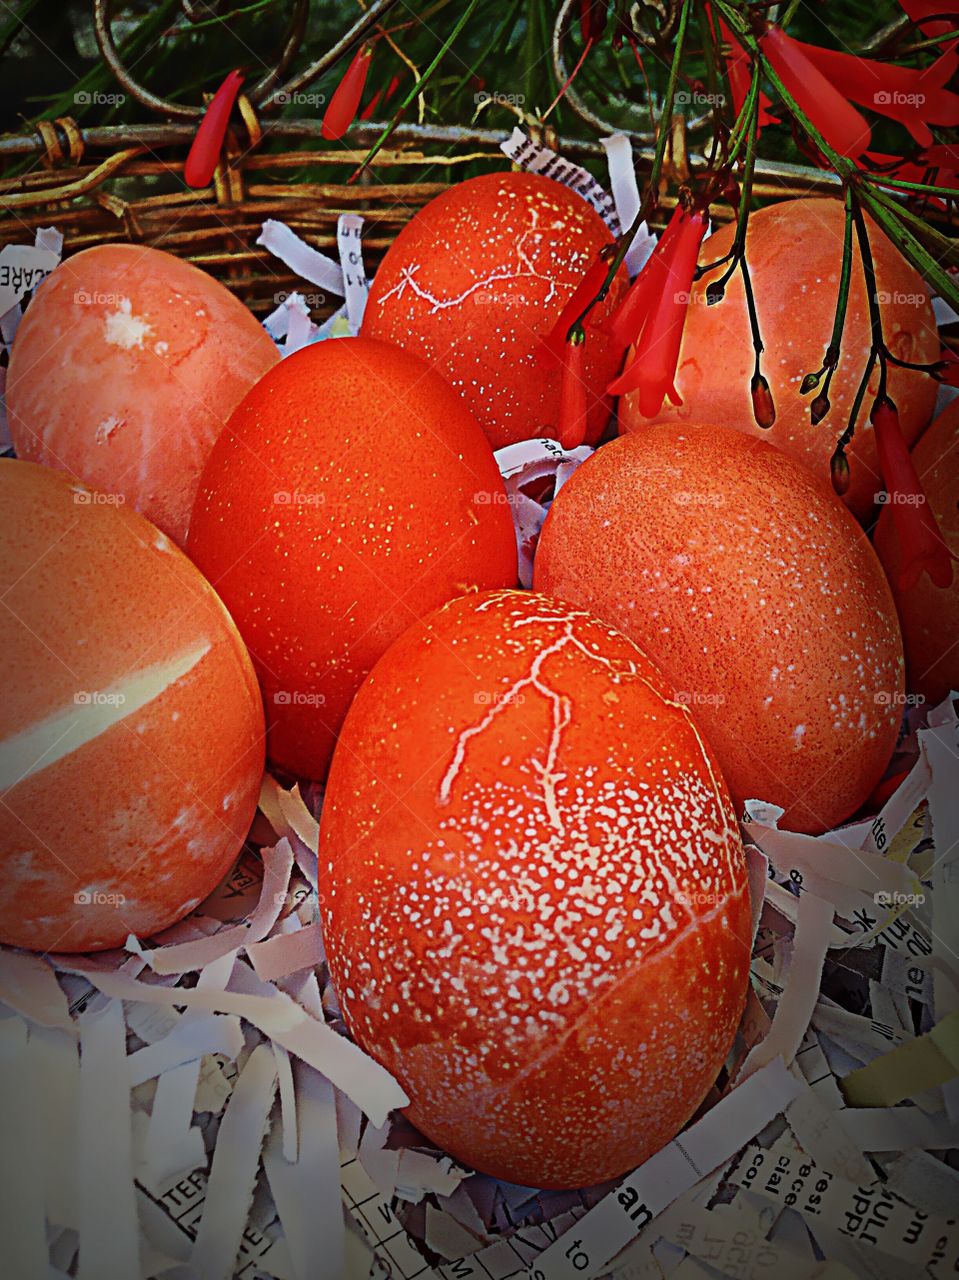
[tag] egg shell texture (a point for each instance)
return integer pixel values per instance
(474, 281)
(533, 891)
(352, 493)
(125, 368)
(758, 596)
(929, 615)
(131, 735)
(794, 251)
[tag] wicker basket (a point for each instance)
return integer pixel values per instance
(107, 184)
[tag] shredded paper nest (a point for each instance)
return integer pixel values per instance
(191, 1106)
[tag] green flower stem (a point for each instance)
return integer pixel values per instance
(418, 87)
(650, 195)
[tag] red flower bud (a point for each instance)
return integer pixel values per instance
(208, 143)
(839, 471)
(572, 393)
(345, 103)
(764, 410)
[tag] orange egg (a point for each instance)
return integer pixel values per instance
(124, 370)
(351, 493)
(794, 251)
(131, 734)
(534, 893)
(477, 278)
(756, 593)
(929, 615)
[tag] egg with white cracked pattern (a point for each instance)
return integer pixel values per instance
(534, 892)
(124, 371)
(477, 278)
(131, 732)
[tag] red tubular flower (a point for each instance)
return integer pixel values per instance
(661, 314)
(739, 74)
(915, 98)
(550, 350)
(840, 124)
(920, 542)
(572, 393)
(592, 19)
(920, 11)
(345, 103)
(627, 321)
(208, 143)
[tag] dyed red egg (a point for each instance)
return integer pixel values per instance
(929, 615)
(125, 369)
(475, 281)
(351, 493)
(756, 593)
(131, 736)
(794, 251)
(534, 892)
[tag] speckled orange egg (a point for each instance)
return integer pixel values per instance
(477, 278)
(794, 250)
(124, 370)
(352, 492)
(757, 594)
(534, 892)
(929, 615)
(131, 731)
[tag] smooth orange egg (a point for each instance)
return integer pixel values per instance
(477, 278)
(534, 893)
(125, 369)
(794, 251)
(131, 735)
(929, 615)
(757, 594)
(351, 493)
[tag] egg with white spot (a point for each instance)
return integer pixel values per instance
(776, 628)
(477, 278)
(120, 377)
(131, 731)
(555, 989)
